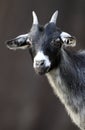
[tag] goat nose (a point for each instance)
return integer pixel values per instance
(40, 63)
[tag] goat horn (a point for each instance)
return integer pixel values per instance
(54, 17)
(35, 19)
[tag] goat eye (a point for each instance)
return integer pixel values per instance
(56, 43)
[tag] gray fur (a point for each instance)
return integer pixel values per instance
(68, 83)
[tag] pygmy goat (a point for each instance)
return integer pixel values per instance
(64, 68)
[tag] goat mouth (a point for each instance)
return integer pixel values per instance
(42, 71)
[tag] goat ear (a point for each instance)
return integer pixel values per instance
(67, 39)
(20, 42)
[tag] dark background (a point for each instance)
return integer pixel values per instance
(27, 101)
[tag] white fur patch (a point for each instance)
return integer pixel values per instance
(64, 36)
(39, 57)
(23, 35)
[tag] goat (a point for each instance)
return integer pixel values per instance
(50, 50)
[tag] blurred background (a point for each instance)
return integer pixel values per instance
(27, 101)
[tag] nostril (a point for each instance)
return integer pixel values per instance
(40, 63)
